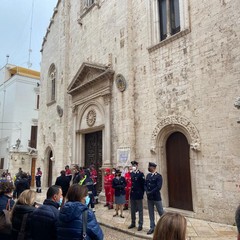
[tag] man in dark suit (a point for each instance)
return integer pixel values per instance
(153, 186)
(64, 182)
(136, 195)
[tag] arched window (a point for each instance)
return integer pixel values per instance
(52, 83)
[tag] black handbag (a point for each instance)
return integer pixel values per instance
(84, 219)
(5, 220)
(21, 234)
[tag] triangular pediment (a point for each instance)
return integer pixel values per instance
(89, 74)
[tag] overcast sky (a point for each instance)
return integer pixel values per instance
(15, 25)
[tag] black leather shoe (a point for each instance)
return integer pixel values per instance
(125, 208)
(150, 231)
(139, 228)
(131, 226)
(106, 205)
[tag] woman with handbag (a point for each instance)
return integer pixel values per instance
(6, 204)
(76, 221)
(21, 215)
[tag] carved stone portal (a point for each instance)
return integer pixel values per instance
(176, 120)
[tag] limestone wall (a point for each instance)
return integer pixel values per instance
(194, 76)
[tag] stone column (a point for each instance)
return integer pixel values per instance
(107, 162)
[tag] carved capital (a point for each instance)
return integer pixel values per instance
(107, 99)
(237, 103)
(74, 109)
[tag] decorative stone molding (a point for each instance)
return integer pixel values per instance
(59, 111)
(90, 75)
(174, 121)
(91, 117)
(237, 103)
(195, 146)
(121, 82)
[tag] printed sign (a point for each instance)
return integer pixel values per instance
(123, 157)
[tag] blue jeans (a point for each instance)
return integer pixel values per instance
(159, 207)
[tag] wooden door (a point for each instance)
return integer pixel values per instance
(33, 171)
(93, 154)
(2, 163)
(50, 170)
(178, 172)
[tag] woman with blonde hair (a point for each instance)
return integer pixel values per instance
(171, 226)
(21, 215)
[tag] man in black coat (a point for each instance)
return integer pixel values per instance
(153, 186)
(64, 182)
(22, 184)
(45, 218)
(136, 195)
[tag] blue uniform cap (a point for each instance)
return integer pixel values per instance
(134, 163)
(151, 164)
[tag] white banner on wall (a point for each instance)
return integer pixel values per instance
(123, 157)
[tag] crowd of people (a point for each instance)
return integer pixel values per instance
(68, 210)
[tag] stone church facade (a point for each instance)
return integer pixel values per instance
(147, 81)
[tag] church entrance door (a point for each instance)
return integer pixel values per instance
(178, 172)
(93, 154)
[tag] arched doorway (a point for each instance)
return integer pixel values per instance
(50, 169)
(178, 172)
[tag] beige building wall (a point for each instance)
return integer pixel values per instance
(186, 83)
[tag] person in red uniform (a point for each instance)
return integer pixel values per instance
(108, 188)
(127, 176)
(38, 180)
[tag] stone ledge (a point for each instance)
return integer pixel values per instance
(168, 40)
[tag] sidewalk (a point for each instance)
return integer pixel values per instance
(196, 229)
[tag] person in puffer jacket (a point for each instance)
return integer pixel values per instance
(70, 224)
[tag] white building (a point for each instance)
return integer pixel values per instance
(19, 101)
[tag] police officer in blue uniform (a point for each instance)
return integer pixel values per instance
(153, 185)
(136, 195)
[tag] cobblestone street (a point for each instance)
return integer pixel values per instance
(110, 234)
